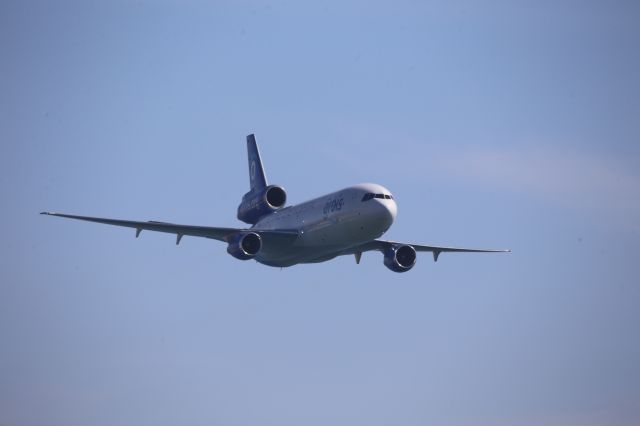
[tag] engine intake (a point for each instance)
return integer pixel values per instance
(256, 204)
(245, 246)
(400, 258)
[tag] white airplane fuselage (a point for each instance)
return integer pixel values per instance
(328, 225)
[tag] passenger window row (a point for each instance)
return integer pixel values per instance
(369, 196)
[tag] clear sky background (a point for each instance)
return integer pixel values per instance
(495, 124)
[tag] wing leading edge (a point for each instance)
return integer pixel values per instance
(216, 233)
(380, 245)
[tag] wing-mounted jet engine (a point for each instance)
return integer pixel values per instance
(262, 199)
(245, 246)
(400, 257)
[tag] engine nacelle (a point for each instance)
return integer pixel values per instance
(256, 204)
(400, 258)
(245, 246)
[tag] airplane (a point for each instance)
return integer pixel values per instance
(345, 222)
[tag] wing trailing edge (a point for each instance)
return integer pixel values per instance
(215, 233)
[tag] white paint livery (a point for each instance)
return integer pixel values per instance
(348, 221)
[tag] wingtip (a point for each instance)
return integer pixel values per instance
(47, 213)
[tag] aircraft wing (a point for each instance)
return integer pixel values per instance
(380, 245)
(220, 234)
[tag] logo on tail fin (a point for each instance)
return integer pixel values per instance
(257, 179)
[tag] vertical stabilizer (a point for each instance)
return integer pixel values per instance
(261, 200)
(257, 179)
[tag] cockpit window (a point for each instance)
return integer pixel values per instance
(369, 196)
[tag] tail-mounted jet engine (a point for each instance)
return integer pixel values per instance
(245, 246)
(400, 258)
(258, 203)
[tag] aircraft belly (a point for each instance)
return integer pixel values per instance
(323, 240)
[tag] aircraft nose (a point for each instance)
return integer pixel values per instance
(392, 209)
(388, 211)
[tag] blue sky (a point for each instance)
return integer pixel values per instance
(497, 124)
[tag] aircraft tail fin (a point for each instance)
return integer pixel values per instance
(262, 199)
(257, 178)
